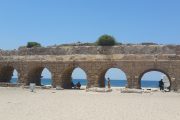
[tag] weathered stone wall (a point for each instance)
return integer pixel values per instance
(70, 50)
(135, 61)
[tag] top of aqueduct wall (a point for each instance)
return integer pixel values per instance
(93, 53)
(94, 50)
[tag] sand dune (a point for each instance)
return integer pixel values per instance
(21, 104)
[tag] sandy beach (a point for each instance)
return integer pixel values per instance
(51, 104)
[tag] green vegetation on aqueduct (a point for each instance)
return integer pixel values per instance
(103, 40)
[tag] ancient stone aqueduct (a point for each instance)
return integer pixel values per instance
(134, 60)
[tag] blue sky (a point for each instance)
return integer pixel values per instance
(52, 22)
(65, 21)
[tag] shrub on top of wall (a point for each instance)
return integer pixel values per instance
(106, 40)
(33, 44)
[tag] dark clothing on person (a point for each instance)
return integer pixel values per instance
(109, 85)
(161, 85)
(72, 85)
(78, 85)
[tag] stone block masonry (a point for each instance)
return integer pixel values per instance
(134, 60)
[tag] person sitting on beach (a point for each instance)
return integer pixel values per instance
(72, 85)
(168, 88)
(78, 85)
(161, 85)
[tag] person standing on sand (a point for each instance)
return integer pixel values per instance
(161, 85)
(109, 85)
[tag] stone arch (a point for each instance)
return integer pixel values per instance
(66, 76)
(34, 75)
(6, 73)
(149, 70)
(102, 72)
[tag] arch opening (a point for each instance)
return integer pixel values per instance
(151, 78)
(9, 75)
(40, 76)
(117, 78)
(46, 77)
(15, 77)
(73, 76)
